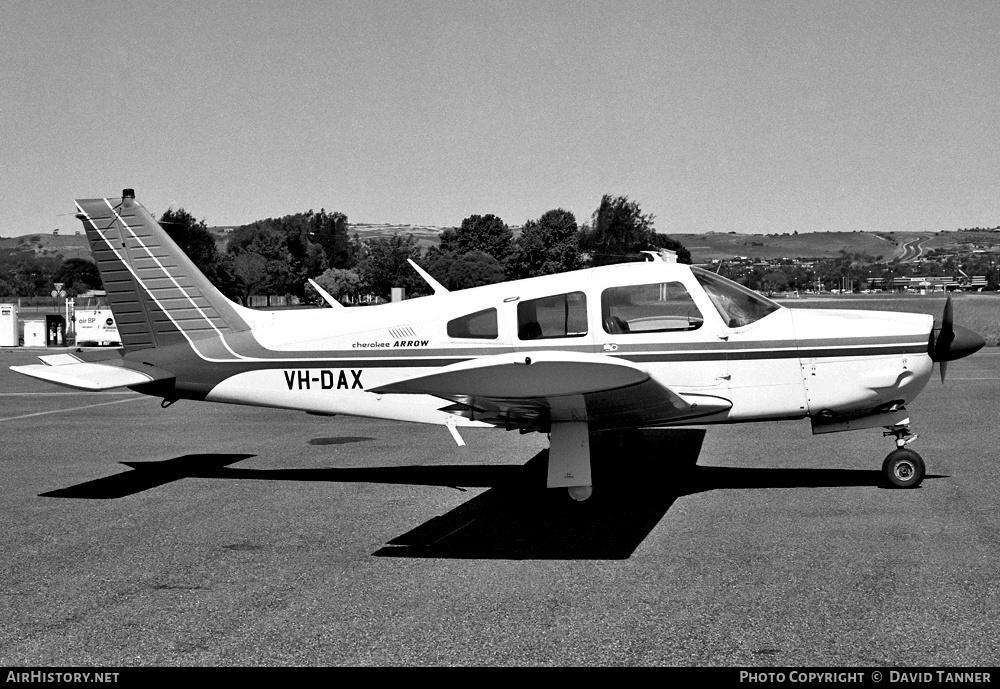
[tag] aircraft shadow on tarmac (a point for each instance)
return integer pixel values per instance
(635, 481)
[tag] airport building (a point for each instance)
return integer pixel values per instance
(924, 284)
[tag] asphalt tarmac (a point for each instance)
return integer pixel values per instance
(205, 535)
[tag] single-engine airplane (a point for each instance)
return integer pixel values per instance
(638, 345)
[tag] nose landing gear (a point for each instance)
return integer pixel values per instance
(903, 468)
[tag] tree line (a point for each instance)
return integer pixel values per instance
(22, 274)
(277, 256)
(484, 250)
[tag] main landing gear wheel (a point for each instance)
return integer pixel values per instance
(903, 468)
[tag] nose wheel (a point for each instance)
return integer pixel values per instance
(903, 468)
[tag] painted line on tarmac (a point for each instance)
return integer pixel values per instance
(59, 411)
(56, 394)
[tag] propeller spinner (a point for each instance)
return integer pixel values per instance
(952, 341)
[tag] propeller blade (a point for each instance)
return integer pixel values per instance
(946, 336)
(951, 341)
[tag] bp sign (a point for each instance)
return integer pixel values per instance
(96, 326)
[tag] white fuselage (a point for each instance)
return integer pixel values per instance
(791, 363)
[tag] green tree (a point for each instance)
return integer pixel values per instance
(662, 241)
(22, 274)
(304, 256)
(329, 230)
(194, 239)
(260, 263)
(775, 281)
(78, 275)
(438, 264)
(546, 246)
(474, 269)
(486, 233)
(341, 284)
(384, 266)
(461, 271)
(619, 230)
(313, 243)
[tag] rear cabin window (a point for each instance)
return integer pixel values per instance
(561, 315)
(481, 325)
(653, 308)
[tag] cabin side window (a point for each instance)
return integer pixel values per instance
(480, 325)
(653, 308)
(561, 315)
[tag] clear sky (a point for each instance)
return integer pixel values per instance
(746, 116)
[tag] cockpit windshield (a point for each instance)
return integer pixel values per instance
(737, 305)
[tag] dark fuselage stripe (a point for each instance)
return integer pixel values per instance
(227, 369)
(737, 355)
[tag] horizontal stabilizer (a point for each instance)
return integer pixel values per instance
(66, 369)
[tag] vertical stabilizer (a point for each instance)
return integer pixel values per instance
(158, 296)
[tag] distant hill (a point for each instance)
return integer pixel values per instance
(888, 245)
(426, 235)
(703, 247)
(717, 245)
(75, 245)
(72, 245)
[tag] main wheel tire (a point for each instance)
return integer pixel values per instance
(903, 468)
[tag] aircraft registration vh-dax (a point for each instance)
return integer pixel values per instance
(629, 346)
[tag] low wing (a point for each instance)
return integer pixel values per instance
(529, 390)
(68, 370)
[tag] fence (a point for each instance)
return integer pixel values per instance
(37, 306)
(258, 301)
